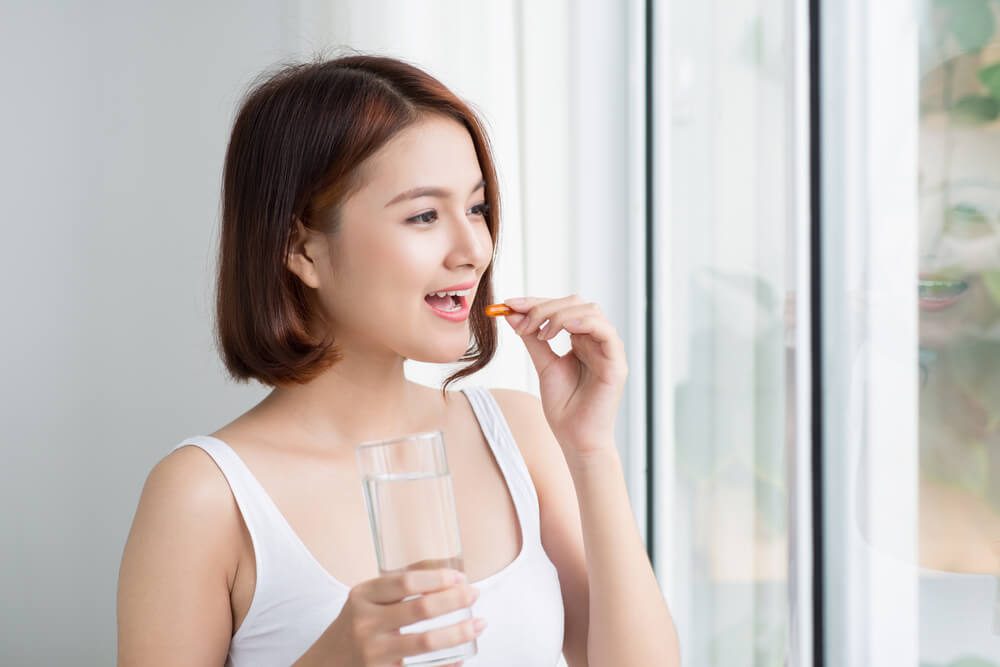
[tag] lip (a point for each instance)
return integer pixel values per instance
(951, 291)
(455, 288)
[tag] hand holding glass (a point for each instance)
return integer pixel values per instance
(411, 509)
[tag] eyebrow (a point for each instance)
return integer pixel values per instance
(413, 193)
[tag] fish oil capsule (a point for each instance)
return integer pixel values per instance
(498, 310)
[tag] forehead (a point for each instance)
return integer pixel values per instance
(434, 151)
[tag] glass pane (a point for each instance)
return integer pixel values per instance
(724, 234)
(959, 333)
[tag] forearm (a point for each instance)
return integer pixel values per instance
(630, 624)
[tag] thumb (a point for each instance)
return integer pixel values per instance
(539, 350)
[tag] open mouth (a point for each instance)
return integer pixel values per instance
(451, 303)
(940, 293)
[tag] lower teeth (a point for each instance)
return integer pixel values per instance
(454, 306)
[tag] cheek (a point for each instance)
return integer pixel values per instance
(486, 241)
(982, 302)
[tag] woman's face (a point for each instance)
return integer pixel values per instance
(416, 226)
(959, 235)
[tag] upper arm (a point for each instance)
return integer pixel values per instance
(173, 586)
(562, 533)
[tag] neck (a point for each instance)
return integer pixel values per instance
(353, 401)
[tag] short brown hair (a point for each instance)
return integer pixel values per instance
(298, 141)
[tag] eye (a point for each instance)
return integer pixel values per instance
(480, 209)
(424, 218)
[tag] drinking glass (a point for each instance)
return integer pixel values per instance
(411, 511)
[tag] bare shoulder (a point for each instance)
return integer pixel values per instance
(188, 483)
(521, 409)
(524, 415)
(187, 495)
(541, 452)
(178, 564)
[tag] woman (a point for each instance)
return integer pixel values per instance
(355, 192)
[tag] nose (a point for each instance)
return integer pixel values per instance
(470, 241)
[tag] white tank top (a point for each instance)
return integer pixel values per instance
(296, 599)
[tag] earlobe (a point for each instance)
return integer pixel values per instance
(299, 260)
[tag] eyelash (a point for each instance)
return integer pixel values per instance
(417, 219)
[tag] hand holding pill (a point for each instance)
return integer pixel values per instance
(580, 390)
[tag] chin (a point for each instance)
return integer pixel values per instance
(440, 355)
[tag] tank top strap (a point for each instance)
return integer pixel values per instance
(498, 435)
(267, 527)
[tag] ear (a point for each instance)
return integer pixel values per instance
(304, 249)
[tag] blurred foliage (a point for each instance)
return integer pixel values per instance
(991, 279)
(989, 76)
(975, 110)
(971, 22)
(960, 29)
(970, 661)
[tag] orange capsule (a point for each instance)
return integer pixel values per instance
(498, 310)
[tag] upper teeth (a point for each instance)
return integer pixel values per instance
(464, 292)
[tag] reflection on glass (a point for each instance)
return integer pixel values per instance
(959, 325)
(731, 265)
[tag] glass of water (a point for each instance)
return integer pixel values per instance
(414, 522)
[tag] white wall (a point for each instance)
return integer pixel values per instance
(113, 127)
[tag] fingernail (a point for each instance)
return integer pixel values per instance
(479, 624)
(457, 577)
(516, 302)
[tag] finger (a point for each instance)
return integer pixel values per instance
(601, 331)
(514, 319)
(557, 319)
(542, 309)
(539, 351)
(539, 310)
(433, 640)
(391, 588)
(595, 326)
(429, 605)
(525, 303)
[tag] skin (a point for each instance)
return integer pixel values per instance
(186, 585)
